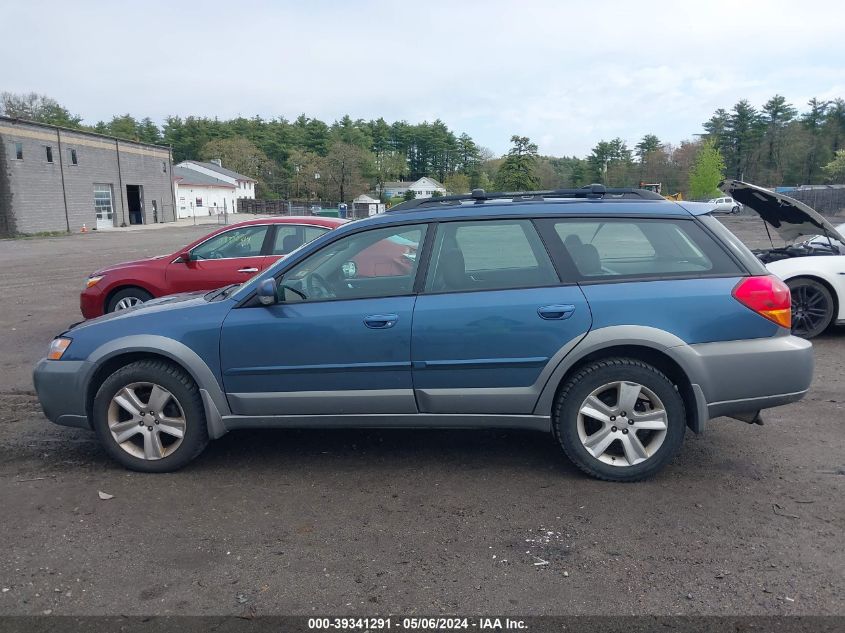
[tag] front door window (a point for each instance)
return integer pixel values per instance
(376, 263)
(242, 242)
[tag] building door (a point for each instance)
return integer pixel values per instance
(104, 207)
(135, 202)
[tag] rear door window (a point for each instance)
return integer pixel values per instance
(606, 249)
(289, 237)
(488, 255)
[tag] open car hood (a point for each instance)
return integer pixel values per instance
(790, 218)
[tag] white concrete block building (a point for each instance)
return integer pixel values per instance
(203, 189)
(244, 185)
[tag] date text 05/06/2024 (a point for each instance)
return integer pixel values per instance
(417, 623)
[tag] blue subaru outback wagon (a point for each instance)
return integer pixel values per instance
(611, 318)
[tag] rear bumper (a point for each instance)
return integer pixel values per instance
(60, 385)
(741, 377)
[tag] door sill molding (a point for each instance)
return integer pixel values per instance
(390, 420)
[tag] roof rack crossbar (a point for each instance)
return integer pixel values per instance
(479, 196)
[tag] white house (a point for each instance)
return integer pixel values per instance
(199, 194)
(423, 188)
(244, 185)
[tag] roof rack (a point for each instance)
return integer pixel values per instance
(479, 196)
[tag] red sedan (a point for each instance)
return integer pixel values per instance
(227, 256)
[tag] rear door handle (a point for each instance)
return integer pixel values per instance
(381, 321)
(247, 270)
(556, 312)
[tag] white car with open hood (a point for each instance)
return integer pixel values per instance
(813, 262)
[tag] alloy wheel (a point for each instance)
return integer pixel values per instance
(810, 309)
(622, 423)
(146, 420)
(127, 302)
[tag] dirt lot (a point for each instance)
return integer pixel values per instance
(748, 520)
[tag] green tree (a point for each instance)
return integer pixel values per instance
(647, 145)
(707, 171)
(124, 126)
(35, 107)
(241, 155)
(835, 169)
(345, 170)
(611, 162)
(835, 124)
(457, 183)
(518, 171)
(777, 114)
(409, 195)
(813, 121)
(742, 134)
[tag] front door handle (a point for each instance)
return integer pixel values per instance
(247, 270)
(381, 321)
(556, 312)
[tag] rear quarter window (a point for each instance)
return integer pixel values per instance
(603, 249)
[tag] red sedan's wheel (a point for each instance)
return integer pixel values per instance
(127, 298)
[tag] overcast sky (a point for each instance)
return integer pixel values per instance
(566, 74)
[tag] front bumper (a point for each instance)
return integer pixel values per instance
(60, 385)
(742, 377)
(92, 302)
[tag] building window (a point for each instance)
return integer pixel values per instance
(19, 151)
(72, 157)
(49, 151)
(163, 167)
(199, 202)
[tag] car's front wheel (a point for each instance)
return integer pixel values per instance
(812, 307)
(619, 419)
(149, 417)
(127, 298)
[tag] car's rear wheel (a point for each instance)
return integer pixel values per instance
(735, 210)
(812, 307)
(619, 419)
(149, 417)
(127, 298)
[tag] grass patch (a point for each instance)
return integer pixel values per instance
(35, 236)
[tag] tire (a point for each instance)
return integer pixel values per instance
(616, 438)
(735, 211)
(812, 307)
(154, 445)
(127, 298)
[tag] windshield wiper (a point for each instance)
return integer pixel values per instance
(222, 293)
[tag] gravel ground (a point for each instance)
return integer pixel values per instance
(747, 520)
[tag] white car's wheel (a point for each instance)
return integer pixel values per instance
(812, 307)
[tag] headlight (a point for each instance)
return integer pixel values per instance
(92, 281)
(58, 347)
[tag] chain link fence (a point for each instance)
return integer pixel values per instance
(827, 200)
(329, 208)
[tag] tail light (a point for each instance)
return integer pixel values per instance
(768, 296)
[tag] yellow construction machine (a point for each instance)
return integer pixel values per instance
(657, 187)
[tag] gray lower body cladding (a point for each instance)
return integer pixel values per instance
(728, 378)
(735, 377)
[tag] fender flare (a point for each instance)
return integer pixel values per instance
(214, 400)
(624, 335)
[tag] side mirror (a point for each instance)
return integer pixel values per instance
(184, 257)
(266, 292)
